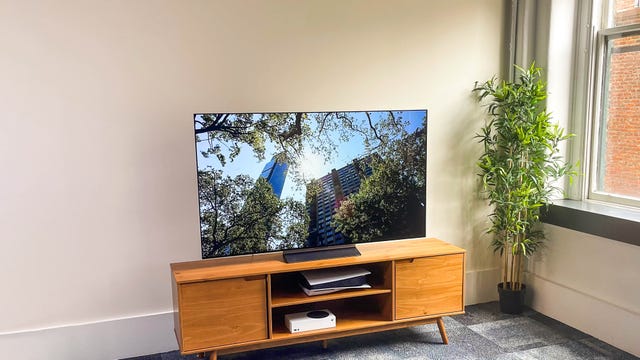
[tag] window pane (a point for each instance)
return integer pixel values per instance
(618, 165)
(625, 12)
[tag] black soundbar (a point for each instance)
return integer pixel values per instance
(338, 251)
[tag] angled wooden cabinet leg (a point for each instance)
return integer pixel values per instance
(213, 355)
(443, 332)
(325, 344)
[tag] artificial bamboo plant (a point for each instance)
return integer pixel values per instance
(519, 166)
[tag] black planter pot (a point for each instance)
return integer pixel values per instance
(511, 301)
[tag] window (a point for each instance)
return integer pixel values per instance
(615, 147)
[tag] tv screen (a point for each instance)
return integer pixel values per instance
(280, 181)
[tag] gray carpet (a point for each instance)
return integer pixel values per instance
(482, 333)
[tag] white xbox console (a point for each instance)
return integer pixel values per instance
(310, 320)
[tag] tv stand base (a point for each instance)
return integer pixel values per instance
(325, 343)
(239, 304)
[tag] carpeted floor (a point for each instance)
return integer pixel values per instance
(482, 333)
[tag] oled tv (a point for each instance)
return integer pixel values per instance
(309, 180)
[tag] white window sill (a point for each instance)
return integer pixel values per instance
(609, 221)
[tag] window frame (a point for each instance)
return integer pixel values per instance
(596, 60)
(578, 212)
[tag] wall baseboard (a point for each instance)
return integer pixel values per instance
(480, 286)
(606, 321)
(108, 339)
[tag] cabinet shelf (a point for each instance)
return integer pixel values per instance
(345, 321)
(281, 298)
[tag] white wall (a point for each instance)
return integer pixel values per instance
(98, 187)
(589, 282)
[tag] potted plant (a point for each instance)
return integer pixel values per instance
(519, 167)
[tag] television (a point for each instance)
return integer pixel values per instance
(308, 182)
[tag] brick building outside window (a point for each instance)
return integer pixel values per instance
(616, 166)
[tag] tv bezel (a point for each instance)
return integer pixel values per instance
(312, 253)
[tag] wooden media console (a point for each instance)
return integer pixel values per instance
(234, 304)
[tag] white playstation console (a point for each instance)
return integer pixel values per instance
(310, 320)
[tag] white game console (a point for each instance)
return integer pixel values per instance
(310, 320)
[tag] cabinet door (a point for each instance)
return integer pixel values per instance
(223, 312)
(429, 286)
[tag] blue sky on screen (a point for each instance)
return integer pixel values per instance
(312, 167)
